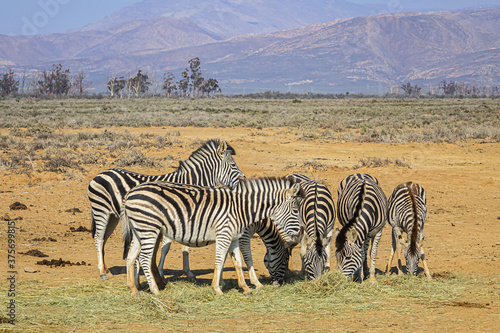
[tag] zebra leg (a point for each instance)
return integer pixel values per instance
(132, 276)
(303, 250)
(101, 236)
(365, 270)
(165, 247)
(394, 248)
(146, 256)
(234, 250)
(185, 263)
(328, 249)
(154, 268)
(373, 254)
(424, 263)
(246, 251)
(221, 248)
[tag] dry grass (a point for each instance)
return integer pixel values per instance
(101, 304)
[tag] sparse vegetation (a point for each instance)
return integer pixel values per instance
(31, 139)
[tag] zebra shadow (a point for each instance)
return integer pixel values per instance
(175, 275)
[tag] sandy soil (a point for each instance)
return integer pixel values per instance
(462, 230)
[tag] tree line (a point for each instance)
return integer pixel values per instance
(59, 82)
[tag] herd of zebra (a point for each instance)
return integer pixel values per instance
(208, 200)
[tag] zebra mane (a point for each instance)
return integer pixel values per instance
(210, 147)
(414, 230)
(342, 237)
(254, 183)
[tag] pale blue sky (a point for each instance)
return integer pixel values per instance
(48, 16)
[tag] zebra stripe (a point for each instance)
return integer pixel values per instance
(406, 213)
(209, 165)
(318, 213)
(199, 216)
(362, 210)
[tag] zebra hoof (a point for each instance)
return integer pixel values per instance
(249, 294)
(104, 276)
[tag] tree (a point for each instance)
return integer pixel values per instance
(196, 76)
(56, 82)
(168, 83)
(184, 83)
(116, 85)
(448, 88)
(78, 83)
(8, 84)
(139, 84)
(411, 90)
(209, 86)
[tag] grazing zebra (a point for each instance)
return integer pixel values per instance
(276, 258)
(362, 209)
(406, 213)
(209, 165)
(318, 213)
(199, 216)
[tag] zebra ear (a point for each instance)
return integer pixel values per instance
(222, 147)
(421, 242)
(351, 235)
(337, 231)
(294, 191)
(403, 242)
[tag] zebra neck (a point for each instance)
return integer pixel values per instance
(187, 174)
(253, 207)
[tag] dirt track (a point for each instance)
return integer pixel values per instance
(462, 228)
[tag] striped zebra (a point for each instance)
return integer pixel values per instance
(199, 216)
(209, 165)
(276, 258)
(318, 213)
(406, 213)
(362, 209)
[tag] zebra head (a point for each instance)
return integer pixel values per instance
(225, 169)
(286, 213)
(350, 254)
(315, 259)
(412, 254)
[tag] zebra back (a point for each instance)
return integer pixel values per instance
(407, 212)
(195, 215)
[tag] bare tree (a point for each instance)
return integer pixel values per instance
(79, 84)
(116, 85)
(139, 84)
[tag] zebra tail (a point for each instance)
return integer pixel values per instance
(126, 232)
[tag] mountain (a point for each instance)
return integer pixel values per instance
(361, 54)
(226, 18)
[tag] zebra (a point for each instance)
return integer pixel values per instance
(276, 258)
(199, 216)
(361, 210)
(210, 164)
(406, 213)
(318, 213)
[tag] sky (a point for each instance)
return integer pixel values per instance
(33, 17)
